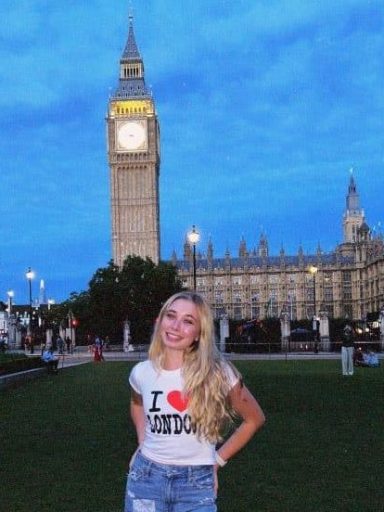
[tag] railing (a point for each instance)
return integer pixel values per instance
(303, 346)
(139, 351)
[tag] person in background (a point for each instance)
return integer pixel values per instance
(50, 360)
(347, 349)
(183, 401)
(60, 344)
(369, 359)
(98, 349)
(372, 359)
(358, 357)
(68, 342)
(3, 343)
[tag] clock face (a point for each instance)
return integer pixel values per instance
(132, 136)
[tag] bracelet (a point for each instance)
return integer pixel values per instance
(220, 461)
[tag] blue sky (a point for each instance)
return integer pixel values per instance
(264, 107)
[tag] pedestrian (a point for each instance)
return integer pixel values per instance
(183, 400)
(90, 343)
(28, 344)
(60, 344)
(32, 344)
(98, 349)
(347, 350)
(50, 360)
(68, 342)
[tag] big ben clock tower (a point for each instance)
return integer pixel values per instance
(134, 160)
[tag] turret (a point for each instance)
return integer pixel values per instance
(353, 216)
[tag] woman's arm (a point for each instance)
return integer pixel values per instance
(247, 407)
(137, 415)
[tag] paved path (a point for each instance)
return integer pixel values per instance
(83, 357)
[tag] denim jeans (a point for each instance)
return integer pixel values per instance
(153, 487)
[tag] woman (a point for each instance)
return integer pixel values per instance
(183, 399)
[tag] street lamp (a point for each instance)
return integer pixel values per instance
(313, 271)
(30, 275)
(10, 294)
(194, 238)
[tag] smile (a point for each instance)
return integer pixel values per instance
(173, 337)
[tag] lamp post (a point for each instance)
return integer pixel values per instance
(10, 294)
(30, 275)
(193, 239)
(10, 321)
(313, 271)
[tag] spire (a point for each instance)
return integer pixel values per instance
(42, 295)
(131, 51)
(131, 81)
(242, 248)
(187, 250)
(352, 200)
(263, 246)
(210, 250)
(353, 215)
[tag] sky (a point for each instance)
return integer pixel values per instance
(264, 107)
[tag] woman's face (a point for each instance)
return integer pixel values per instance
(180, 325)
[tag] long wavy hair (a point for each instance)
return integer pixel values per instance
(204, 372)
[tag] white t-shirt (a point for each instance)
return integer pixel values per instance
(169, 436)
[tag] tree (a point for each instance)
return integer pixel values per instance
(134, 292)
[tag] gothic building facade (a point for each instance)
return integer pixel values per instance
(134, 159)
(348, 282)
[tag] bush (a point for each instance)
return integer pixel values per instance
(13, 363)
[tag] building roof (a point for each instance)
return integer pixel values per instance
(131, 51)
(330, 259)
(131, 87)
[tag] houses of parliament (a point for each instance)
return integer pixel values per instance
(346, 283)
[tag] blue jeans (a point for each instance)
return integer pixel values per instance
(153, 487)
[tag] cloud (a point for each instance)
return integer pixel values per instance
(263, 107)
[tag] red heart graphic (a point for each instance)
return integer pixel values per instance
(177, 400)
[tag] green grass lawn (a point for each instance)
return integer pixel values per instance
(65, 441)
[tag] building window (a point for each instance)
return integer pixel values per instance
(272, 305)
(329, 309)
(348, 311)
(200, 282)
(291, 305)
(328, 294)
(219, 309)
(274, 279)
(237, 309)
(255, 306)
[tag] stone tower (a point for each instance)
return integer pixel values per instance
(133, 139)
(353, 215)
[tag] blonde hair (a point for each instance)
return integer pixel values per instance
(204, 371)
